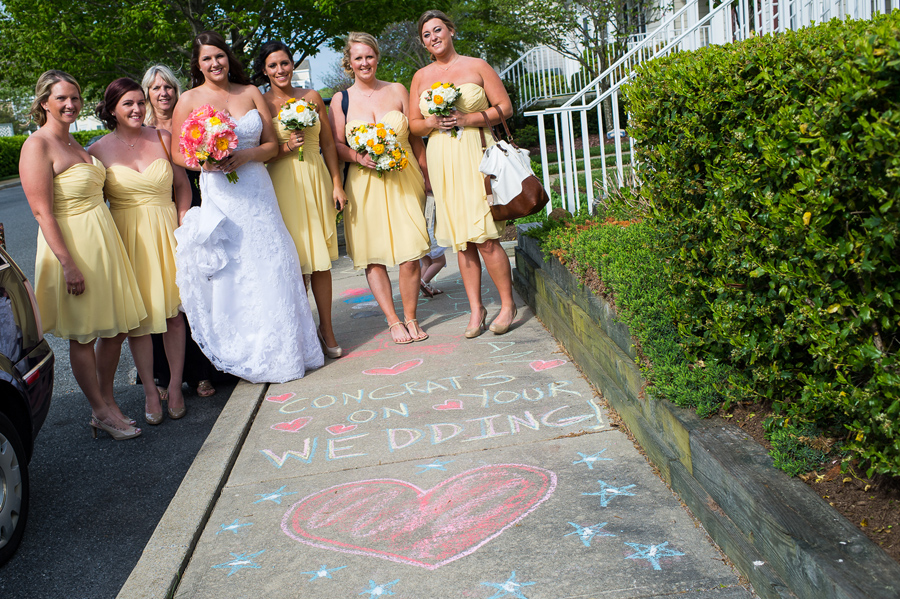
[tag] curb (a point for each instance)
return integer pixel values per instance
(10, 183)
(778, 532)
(167, 553)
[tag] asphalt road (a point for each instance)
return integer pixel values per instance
(94, 503)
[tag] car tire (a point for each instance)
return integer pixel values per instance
(14, 489)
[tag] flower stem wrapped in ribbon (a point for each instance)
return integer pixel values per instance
(441, 99)
(381, 143)
(298, 114)
(208, 135)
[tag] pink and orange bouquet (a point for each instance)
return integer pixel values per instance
(208, 134)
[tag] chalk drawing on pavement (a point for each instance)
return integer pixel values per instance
(378, 590)
(540, 365)
(590, 459)
(323, 571)
(239, 561)
(293, 426)
(233, 527)
(652, 553)
(394, 370)
(435, 465)
(450, 404)
(510, 588)
(398, 521)
(275, 496)
(280, 398)
(340, 429)
(607, 492)
(587, 533)
(305, 456)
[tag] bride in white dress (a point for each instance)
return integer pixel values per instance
(237, 269)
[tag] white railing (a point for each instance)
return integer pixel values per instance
(680, 31)
(543, 73)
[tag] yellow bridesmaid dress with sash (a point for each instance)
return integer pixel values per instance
(462, 214)
(111, 303)
(384, 221)
(142, 208)
(304, 191)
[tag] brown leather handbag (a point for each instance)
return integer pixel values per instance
(532, 198)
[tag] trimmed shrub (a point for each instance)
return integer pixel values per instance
(773, 167)
(11, 147)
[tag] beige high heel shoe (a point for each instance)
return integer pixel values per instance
(118, 434)
(332, 352)
(472, 333)
(499, 329)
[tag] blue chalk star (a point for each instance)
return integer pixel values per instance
(510, 588)
(607, 493)
(274, 497)
(586, 533)
(590, 459)
(435, 465)
(652, 553)
(233, 527)
(377, 590)
(241, 560)
(323, 572)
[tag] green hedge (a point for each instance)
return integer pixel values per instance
(773, 167)
(10, 147)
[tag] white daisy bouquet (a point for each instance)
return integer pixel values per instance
(441, 99)
(298, 114)
(381, 143)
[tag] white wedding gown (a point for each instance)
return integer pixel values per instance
(239, 276)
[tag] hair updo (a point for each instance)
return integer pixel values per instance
(434, 14)
(112, 95)
(358, 37)
(42, 93)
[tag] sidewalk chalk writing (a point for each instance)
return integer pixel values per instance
(398, 521)
(396, 369)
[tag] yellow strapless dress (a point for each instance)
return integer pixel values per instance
(304, 192)
(111, 302)
(384, 221)
(462, 214)
(142, 208)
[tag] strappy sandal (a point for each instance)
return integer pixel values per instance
(398, 323)
(205, 389)
(422, 336)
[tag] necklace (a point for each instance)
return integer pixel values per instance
(447, 68)
(369, 95)
(123, 141)
(283, 98)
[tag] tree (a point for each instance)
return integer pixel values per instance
(101, 41)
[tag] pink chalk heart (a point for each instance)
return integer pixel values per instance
(293, 426)
(280, 398)
(539, 365)
(397, 521)
(340, 429)
(450, 404)
(396, 368)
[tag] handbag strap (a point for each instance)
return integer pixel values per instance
(165, 149)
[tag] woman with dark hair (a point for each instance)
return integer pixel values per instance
(309, 192)
(139, 183)
(463, 217)
(162, 90)
(385, 221)
(238, 273)
(85, 287)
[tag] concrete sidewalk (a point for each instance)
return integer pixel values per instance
(479, 468)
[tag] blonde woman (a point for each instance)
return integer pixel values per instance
(384, 222)
(463, 216)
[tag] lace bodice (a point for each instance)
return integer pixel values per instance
(249, 128)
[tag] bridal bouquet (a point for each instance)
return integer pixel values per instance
(440, 100)
(298, 114)
(208, 135)
(381, 144)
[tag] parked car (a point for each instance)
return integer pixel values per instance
(26, 388)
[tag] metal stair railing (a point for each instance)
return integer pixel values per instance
(730, 21)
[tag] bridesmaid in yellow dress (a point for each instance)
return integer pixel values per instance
(310, 192)
(139, 183)
(463, 216)
(385, 222)
(85, 287)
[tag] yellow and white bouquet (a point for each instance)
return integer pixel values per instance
(298, 114)
(441, 99)
(381, 143)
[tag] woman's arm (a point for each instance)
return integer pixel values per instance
(182, 112)
(329, 154)
(415, 141)
(496, 95)
(339, 123)
(36, 174)
(419, 124)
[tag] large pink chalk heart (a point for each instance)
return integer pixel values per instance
(293, 426)
(397, 521)
(539, 365)
(396, 368)
(280, 398)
